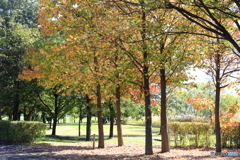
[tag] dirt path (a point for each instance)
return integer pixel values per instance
(78, 151)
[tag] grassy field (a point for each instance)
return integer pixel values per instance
(131, 134)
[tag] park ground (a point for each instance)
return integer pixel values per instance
(84, 150)
(68, 146)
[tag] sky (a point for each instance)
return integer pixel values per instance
(200, 76)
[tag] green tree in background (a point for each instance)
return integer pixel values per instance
(18, 19)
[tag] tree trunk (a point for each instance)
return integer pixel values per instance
(28, 117)
(164, 127)
(63, 119)
(148, 114)
(148, 118)
(19, 115)
(55, 117)
(79, 120)
(10, 117)
(112, 115)
(1, 109)
(79, 125)
(89, 118)
(111, 127)
(44, 117)
(100, 123)
(54, 125)
(217, 105)
(119, 116)
(118, 107)
(25, 113)
(16, 101)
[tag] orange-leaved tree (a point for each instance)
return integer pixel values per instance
(221, 64)
(77, 60)
(199, 102)
(88, 49)
(141, 31)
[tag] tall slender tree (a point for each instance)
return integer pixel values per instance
(221, 64)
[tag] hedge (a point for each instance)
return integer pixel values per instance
(231, 135)
(21, 131)
(197, 133)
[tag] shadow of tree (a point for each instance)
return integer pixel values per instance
(25, 152)
(81, 151)
(73, 138)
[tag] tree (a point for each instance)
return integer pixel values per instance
(132, 109)
(143, 37)
(56, 105)
(217, 19)
(191, 102)
(17, 34)
(209, 16)
(109, 114)
(135, 25)
(175, 59)
(221, 66)
(50, 77)
(19, 11)
(227, 99)
(81, 51)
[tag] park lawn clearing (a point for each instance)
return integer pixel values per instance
(131, 134)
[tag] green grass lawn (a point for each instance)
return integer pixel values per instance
(131, 134)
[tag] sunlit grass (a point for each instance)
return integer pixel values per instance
(131, 134)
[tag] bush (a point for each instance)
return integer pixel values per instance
(195, 132)
(21, 131)
(231, 135)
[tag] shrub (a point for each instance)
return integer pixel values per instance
(231, 135)
(191, 131)
(125, 121)
(21, 131)
(155, 124)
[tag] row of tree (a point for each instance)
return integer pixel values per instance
(108, 49)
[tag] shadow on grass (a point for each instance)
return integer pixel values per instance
(62, 139)
(57, 138)
(65, 137)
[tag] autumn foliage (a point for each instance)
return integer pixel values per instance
(137, 94)
(199, 102)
